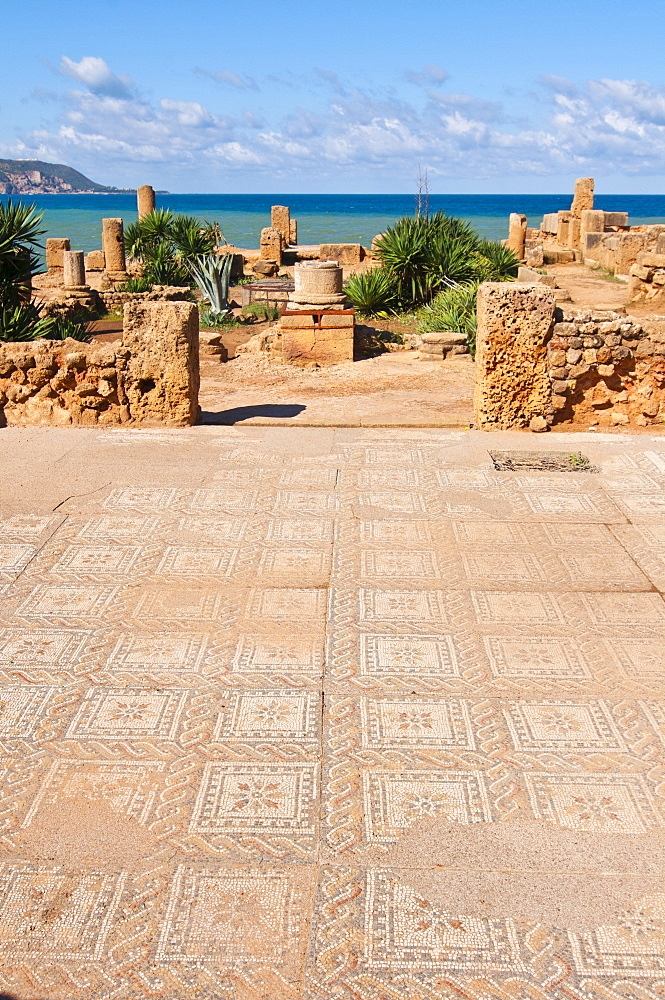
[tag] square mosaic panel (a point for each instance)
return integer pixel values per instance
(545, 659)
(42, 647)
(269, 715)
(404, 931)
(300, 530)
(260, 799)
(464, 479)
(14, 557)
(401, 565)
(227, 918)
(655, 713)
(67, 601)
(554, 725)
(630, 610)
(393, 479)
(180, 604)
(86, 905)
(316, 477)
(404, 503)
(396, 532)
(288, 602)
(26, 527)
(207, 501)
(518, 610)
(639, 659)
(297, 655)
(119, 529)
(506, 567)
(144, 498)
(422, 656)
(639, 505)
(631, 947)
(580, 506)
(496, 533)
(127, 713)
(21, 708)
(306, 501)
(293, 561)
(621, 803)
(192, 561)
(112, 559)
(393, 800)
(172, 652)
(215, 530)
(128, 787)
(424, 606)
(603, 568)
(395, 724)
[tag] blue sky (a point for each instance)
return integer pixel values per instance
(338, 96)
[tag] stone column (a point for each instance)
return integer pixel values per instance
(73, 269)
(517, 234)
(512, 379)
(591, 221)
(161, 383)
(54, 251)
(293, 233)
(114, 248)
(145, 198)
(280, 218)
(318, 284)
(583, 197)
(271, 244)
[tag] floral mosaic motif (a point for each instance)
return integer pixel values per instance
(621, 803)
(288, 602)
(427, 655)
(496, 608)
(119, 713)
(552, 726)
(633, 945)
(161, 650)
(86, 904)
(407, 605)
(300, 655)
(21, 709)
(301, 530)
(40, 647)
(505, 567)
(398, 564)
(390, 723)
(227, 918)
(191, 561)
(269, 715)
(394, 801)
(97, 559)
(406, 931)
(256, 798)
(14, 558)
(639, 659)
(538, 658)
(66, 601)
(146, 498)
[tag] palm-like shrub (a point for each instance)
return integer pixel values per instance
(164, 244)
(20, 229)
(373, 292)
(427, 254)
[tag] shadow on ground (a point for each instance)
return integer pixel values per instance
(239, 413)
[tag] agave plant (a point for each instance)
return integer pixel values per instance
(212, 274)
(373, 293)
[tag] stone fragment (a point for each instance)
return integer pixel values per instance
(54, 250)
(583, 197)
(343, 253)
(516, 234)
(619, 419)
(95, 261)
(271, 244)
(280, 219)
(538, 425)
(73, 269)
(145, 199)
(512, 382)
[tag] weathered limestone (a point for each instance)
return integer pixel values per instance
(591, 221)
(54, 250)
(550, 223)
(73, 270)
(318, 284)
(324, 338)
(563, 228)
(271, 244)
(512, 382)
(437, 346)
(163, 363)
(343, 253)
(583, 197)
(616, 219)
(113, 246)
(280, 218)
(517, 234)
(145, 198)
(629, 245)
(574, 228)
(293, 232)
(95, 261)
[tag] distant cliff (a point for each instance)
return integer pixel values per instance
(37, 177)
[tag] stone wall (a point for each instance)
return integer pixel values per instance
(647, 279)
(324, 338)
(540, 365)
(152, 378)
(113, 301)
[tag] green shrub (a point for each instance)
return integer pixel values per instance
(141, 284)
(452, 310)
(373, 293)
(20, 229)
(165, 244)
(262, 311)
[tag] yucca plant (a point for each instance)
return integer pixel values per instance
(373, 293)
(212, 274)
(22, 321)
(20, 230)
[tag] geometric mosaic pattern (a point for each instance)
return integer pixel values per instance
(256, 718)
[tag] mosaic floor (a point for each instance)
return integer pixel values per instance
(330, 715)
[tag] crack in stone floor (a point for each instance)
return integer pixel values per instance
(323, 714)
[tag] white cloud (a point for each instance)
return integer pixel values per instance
(95, 74)
(228, 77)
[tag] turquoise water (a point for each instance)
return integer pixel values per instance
(325, 218)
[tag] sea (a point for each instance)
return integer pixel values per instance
(322, 218)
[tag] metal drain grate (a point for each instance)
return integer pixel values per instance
(542, 461)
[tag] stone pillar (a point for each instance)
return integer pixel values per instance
(54, 250)
(512, 379)
(591, 221)
(318, 284)
(583, 197)
(563, 228)
(517, 234)
(280, 218)
(113, 246)
(145, 198)
(574, 233)
(161, 383)
(271, 244)
(73, 269)
(293, 232)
